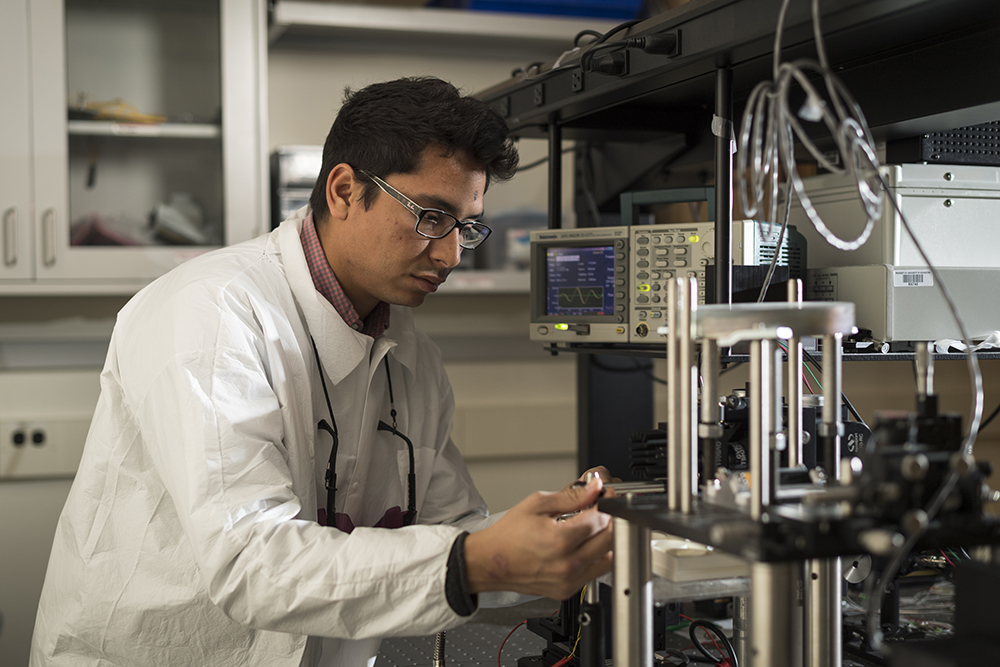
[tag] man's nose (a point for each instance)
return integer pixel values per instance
(446, 252)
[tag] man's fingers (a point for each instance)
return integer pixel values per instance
(570, 499)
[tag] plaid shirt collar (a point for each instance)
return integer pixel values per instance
(327, 285)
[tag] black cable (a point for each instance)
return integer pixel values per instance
(674, 653)
(587, 55)
(717, 632)
(990, 418)
(843, 396)
(585, 33)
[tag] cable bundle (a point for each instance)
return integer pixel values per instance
(769, 130)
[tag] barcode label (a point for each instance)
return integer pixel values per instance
(912, 278)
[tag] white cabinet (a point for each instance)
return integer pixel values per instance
(15, 143)
(95, 202)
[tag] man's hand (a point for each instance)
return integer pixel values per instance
(530, 551)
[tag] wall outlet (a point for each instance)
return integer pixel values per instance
(41, 447)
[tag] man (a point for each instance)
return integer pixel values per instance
(269, 410)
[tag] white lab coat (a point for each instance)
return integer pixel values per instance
(190, 536)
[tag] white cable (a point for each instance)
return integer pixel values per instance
(767, 141)
(770, 129)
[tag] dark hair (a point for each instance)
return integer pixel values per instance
(384, 129)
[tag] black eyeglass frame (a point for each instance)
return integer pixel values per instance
(420, 212)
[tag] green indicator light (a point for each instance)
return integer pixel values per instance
(562, 327)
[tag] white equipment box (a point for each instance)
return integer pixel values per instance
(902, 303)
(954, 210)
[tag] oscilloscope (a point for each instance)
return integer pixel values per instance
(609, 284)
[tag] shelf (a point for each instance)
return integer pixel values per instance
(425, 30)
(111, 128)
(486, 282)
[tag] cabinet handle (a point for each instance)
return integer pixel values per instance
(10, 236)
(49, 237)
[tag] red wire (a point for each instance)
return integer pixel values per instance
(946, 557)
(505, 641)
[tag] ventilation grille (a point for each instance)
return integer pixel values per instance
(975, 144)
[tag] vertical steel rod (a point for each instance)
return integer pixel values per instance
(592, 647)
(761, 413)
(925, 370)
(831, 429)
(772, 609)
(794, 392)
(555, 176)
(710, 429)
(722, 125)
(633, 596)
(741, 629)
(673, 396)
(823, 626)
(687, 290)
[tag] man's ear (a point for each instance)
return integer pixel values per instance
(341, 184)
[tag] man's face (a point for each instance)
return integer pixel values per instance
(377, 254)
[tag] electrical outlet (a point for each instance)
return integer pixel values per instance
(41, 447)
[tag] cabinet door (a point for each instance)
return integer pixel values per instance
(15, 144)
(123, 199)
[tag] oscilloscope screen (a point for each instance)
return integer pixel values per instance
(580, 281)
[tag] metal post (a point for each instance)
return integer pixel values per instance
(555, 176)
(741, 629)
(591, 627)
(823, 627)
(688, 299)
(794, 393)
(722, 126)
(831, 429)
(760, 427)
(772, 610)
(633, 596)
(925, 370)
(673, 396)
(710, 429)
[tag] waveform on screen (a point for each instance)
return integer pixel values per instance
(579, 297)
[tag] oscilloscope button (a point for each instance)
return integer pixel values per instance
(680, 251)
(656, 287)
(642, 298)
(656, 314)
(619, 244)
(642, 252)
(619, 269)
(619, 295)
(642, 264)
(619, 309)
(620, 256)
(680, 262)
(668, 239)
(543, 330)
(662, 263)
(656, 299)
(619, 281)
(656, 239)
(642, 275)
(642, 240)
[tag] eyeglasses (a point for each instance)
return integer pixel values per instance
(434, 223)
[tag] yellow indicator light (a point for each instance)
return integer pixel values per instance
(643, 288)
(693, 238)
(561, 327)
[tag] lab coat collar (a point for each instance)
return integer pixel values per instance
(341, 348)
